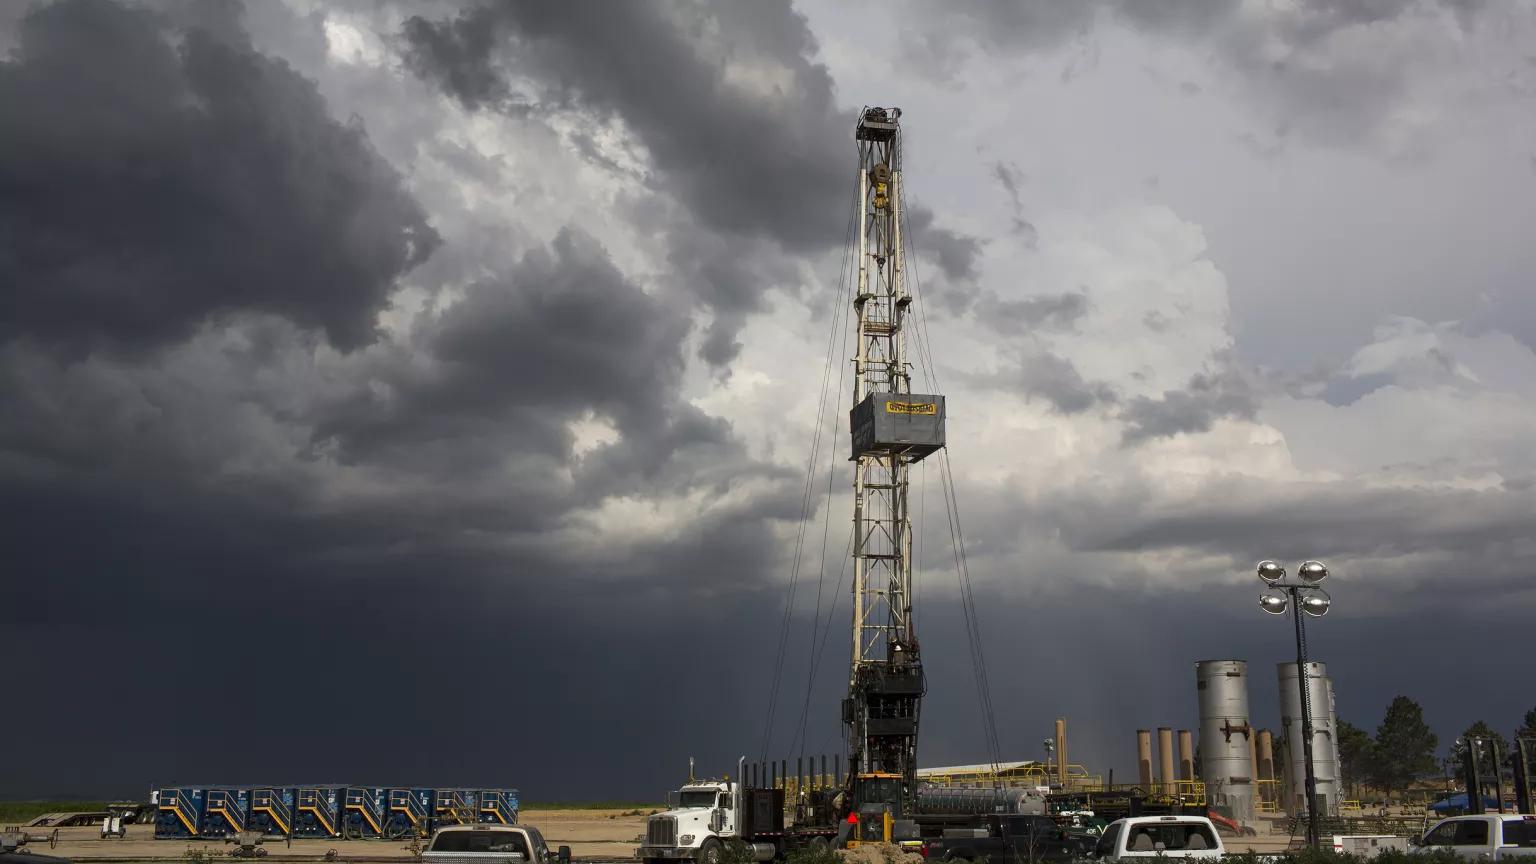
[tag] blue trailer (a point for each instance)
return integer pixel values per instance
(363, 812)
(498, 806)
(179, 813)
(226, 811)
(455, 807)
(409, 813)
(272, 810)
(317, 811)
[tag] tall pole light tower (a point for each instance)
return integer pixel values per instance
(1304, 596)
(891, 429)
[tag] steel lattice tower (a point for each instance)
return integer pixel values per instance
(891, 429)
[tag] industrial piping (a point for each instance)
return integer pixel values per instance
(1165, 759)
(1144, 758)
(1061, 752)
(1186, 755)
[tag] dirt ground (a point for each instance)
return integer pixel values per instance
(592, 834)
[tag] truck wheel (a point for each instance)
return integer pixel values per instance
(709, 852)
(818, 846)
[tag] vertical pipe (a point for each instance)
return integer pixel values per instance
(1144, 758)
(822, 782)
(773, 775)
(1186, 755)
(1165, 758)
(1266, 755)
(1061, 751)
(1253, 754)
(1266, 765)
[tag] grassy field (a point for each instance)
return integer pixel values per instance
(16, 812)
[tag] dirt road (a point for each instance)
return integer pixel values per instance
(591, 834)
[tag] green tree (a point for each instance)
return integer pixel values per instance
(1483, 730)
(1405, 747)
(1530, 721)
(1356, 750)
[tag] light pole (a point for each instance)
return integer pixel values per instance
(1303, 596)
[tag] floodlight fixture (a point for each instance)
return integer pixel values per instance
(1316, 602)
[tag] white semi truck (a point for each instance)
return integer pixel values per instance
(705, 816)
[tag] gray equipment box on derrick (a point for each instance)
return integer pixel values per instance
(907, 424)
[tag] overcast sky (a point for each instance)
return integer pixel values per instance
(422, 392)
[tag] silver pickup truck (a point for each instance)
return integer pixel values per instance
(1490, 837)
(492, 844)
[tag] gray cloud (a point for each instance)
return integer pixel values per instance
(753, 162)
(1013, 181)
(155, 180)
(1047, 311)
(785, 149)
(1057, 380)
(1284, 54)
(1207, 398)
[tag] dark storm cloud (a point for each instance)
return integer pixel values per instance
(499, 376)
(752, 157)
(1207, 398)
(741, 128)
(155, 179)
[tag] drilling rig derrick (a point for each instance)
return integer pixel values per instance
(891, 428)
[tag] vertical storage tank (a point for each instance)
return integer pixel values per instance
(1225, 764)
(1325, 760)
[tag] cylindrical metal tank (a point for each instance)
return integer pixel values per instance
(948, 799)
(1186, 755)
(1325, 761)
(1165, 759)
(1225, 763)
(1333, 738)
(1144, 758)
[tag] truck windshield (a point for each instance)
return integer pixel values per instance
(696, 798)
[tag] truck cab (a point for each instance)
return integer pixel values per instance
(1140, 837)
(1489, 837)
(700, 818)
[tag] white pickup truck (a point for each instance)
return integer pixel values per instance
(492, 844)
(1489, 837)
(1142, 837)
